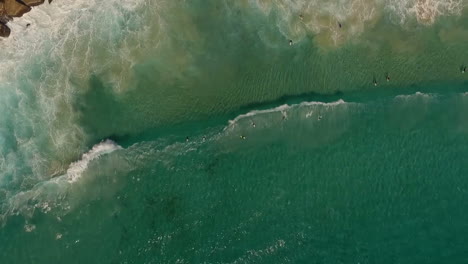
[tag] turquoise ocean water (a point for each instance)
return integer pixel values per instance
(152, 131)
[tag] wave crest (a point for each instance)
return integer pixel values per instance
(76, 169)
(61, 192)
(284, 109)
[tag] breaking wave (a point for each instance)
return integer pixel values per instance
(60, 192)
(48, 65)
(77, 168)
(285, 109)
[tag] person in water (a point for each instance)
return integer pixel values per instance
(242, 137)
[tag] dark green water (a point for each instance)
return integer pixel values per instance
(376, 181)
(192, 132)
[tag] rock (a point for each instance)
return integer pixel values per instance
(15, 9)
(4, 18)
(4, 31)
(2, 8)
(50, 1)
(33, 2)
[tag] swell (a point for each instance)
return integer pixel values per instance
(50, 66)
(104, 169)
(177, 131)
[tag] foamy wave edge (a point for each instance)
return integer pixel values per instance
(283, 108)
(77, 168)
(49, 194)
(416, 95)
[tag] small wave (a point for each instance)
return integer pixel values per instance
(283, 109)
(76, 168)
(415, 95)
(339, 102)
(280, 108)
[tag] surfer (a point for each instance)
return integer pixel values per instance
(339, 24)
(319, 117)
(301, 16)
(253, 124)
(186, 139)
(28, 24)
(290, 42)
(464, 69)
(387, 77)
(375, 82)
(242, 137)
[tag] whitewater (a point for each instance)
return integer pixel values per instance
(46, 67)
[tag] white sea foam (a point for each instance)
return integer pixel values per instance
(321, 17)
(29, 228)
(253, 255)
(76, 169)
(44, 67)
(425, 11)
(339, 102)
(57, 192)
(280, 108)
(283, 109)
(47, 64)
(415, 96)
